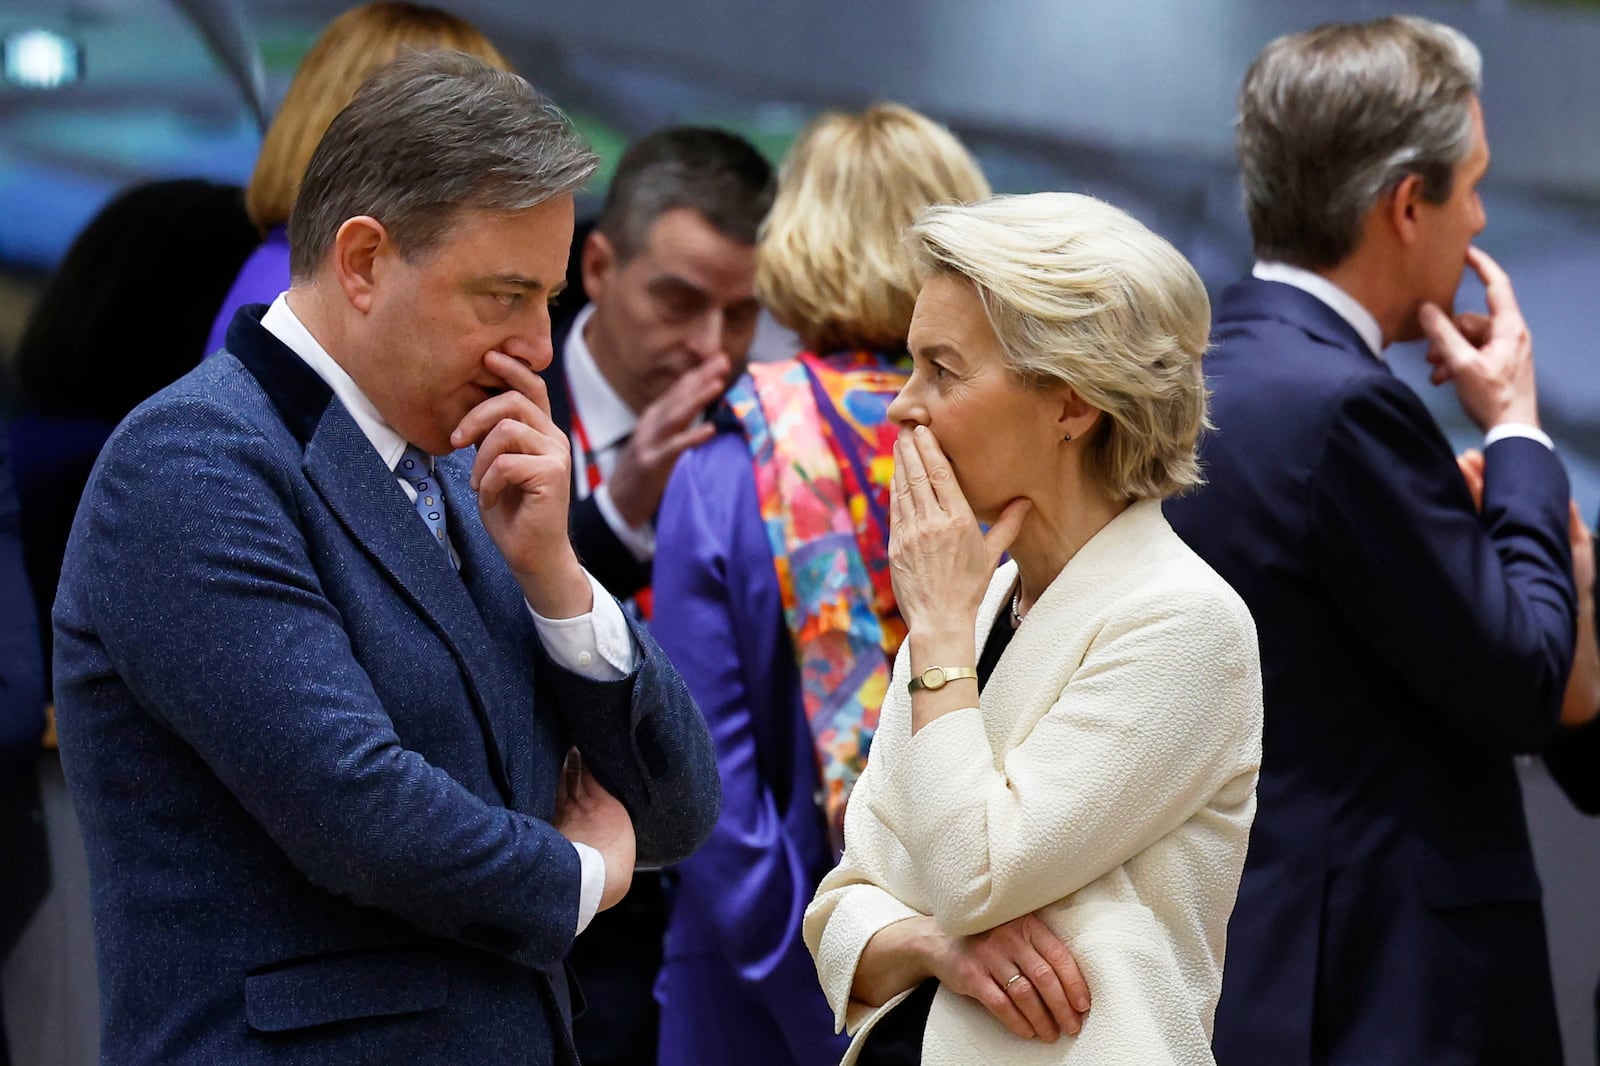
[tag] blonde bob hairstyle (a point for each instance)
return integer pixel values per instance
(354, 45)
(832, 263)
(1081, 294)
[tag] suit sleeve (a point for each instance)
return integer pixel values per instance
(646, 741)
(1160, 718)
(751, 881)
(1477, 612)
(851, 904)
(191, 569)
(22, 695)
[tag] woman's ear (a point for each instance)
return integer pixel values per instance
(357, 247)
(1075, 417)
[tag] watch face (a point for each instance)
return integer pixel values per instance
(933, 678)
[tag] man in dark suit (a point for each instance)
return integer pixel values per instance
(669, 275)
(24, 875)
(323, 647)
(1573, 759)
(669, 271)
(1389, 911)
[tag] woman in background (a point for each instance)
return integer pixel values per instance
(772, 590)
(1068, 753)
(354, 45)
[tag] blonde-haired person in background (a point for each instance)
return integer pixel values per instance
(354, 45)
(1069, 746)
(772, 588)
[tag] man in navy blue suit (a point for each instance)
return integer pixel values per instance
(357, 744)
(1389, 911)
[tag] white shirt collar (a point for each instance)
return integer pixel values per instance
(1342, 303)
(285, 325)
(606, 416)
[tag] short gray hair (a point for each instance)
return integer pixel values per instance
(424, 137)
(1081, 294)
(1333, 118)
(718, 175)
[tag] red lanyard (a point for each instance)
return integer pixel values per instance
(591, 463)
(591, 469)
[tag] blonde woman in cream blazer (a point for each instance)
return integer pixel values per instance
(1043, 872)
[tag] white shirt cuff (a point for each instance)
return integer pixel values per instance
(640, 540)
(597, 645)
(1517, 429)
(592, 884)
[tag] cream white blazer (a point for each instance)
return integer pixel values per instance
(1106, 781)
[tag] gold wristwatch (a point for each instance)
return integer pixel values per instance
(935, 678)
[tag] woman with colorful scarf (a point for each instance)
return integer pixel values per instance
(772, 590)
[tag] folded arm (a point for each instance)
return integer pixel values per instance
(1157, 720)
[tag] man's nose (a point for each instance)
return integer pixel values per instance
(531, 346)
(710, 332)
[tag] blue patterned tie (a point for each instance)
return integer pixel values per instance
(416, 467)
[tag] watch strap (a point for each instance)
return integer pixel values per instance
(935, 678)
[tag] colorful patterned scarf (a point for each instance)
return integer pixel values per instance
(823, 449)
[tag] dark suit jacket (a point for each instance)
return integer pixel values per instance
(606, 557)
(314, 765)
(1574, 761)
(24, 873)
(1389, 910)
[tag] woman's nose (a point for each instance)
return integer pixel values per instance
(904, 408)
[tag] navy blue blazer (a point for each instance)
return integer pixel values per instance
(313, 763)
(1389, 910)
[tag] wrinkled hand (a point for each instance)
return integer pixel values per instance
(523, 477)
(587, 814)
(939, 558)
(1050, 997)
(1490, 358)
(1471, 465)
(666, 429)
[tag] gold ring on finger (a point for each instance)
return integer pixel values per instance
(1013, 980)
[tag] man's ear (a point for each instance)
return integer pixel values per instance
(1403, 208)
(599, 260)
(358, 248)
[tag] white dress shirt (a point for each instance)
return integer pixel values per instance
(1366, 326)
(597, 645)
(608, 421)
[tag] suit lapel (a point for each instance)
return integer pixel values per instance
(507, 625)
(1049, 646)
(364, 495)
